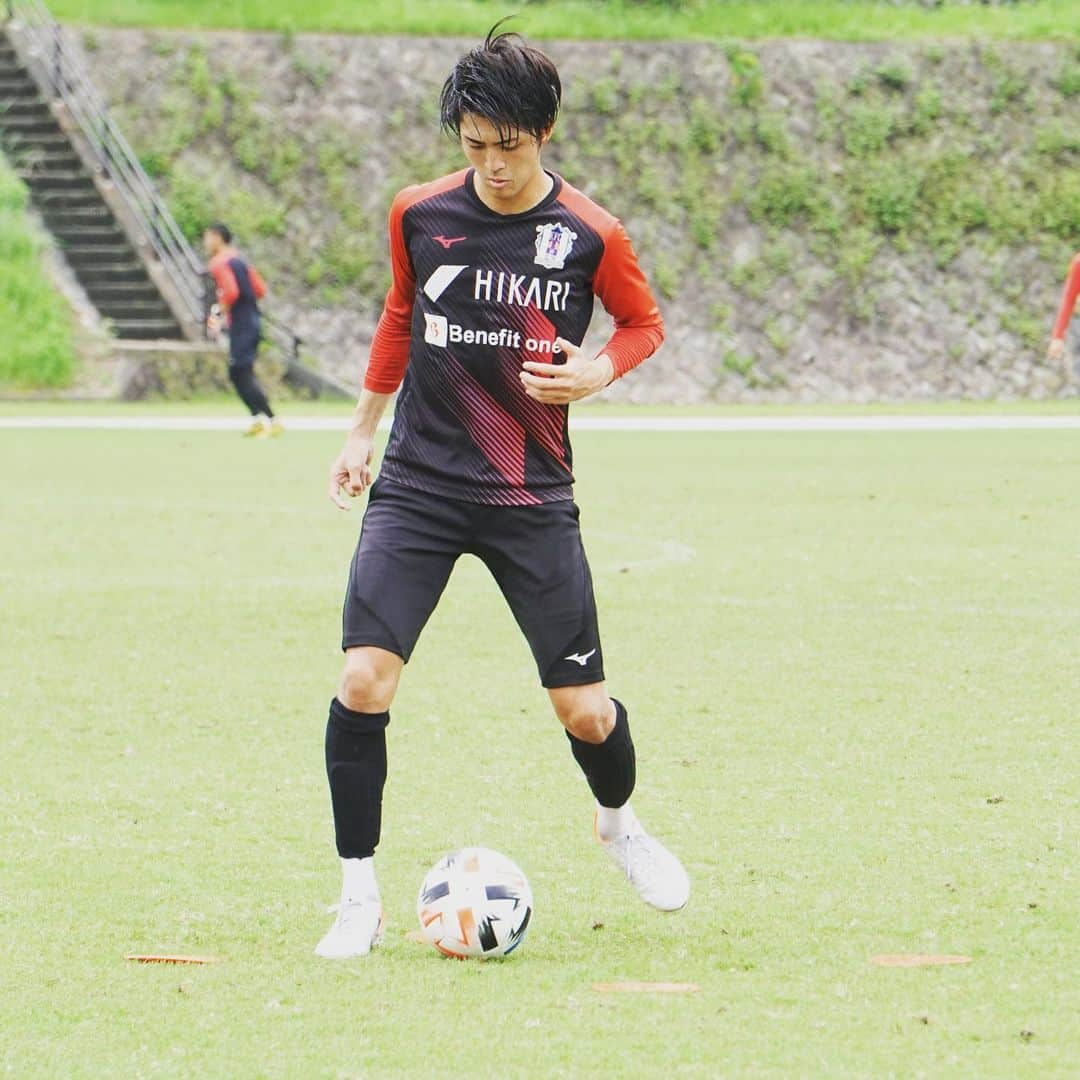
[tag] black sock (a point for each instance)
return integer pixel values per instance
(356, 769)
(610, 767)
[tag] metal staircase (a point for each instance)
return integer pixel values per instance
(106, 214)
(63, 190)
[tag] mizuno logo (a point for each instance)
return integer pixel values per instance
(578, 658)
(449, 241)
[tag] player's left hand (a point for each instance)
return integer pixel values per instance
(559, 384)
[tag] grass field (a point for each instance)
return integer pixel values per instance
(847, 20)
(41, 353)
(850, 662)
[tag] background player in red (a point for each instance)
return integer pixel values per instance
(495, 271)
(239, 290)
(1069, 297)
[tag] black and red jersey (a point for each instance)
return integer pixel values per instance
(240, 287)
(476, 293)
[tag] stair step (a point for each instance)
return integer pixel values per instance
(83, 253)
(17, 89)
(66, 180)
(24, 107)
(49, 199)
(81, 234)
(51, 146)
(59, 216)
(147, 329)
(43, 140)
(108, 292)
(44, 123)
(45, 161)
(135, 309)
(116, 270)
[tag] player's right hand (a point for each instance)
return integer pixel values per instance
(1056, 349)
(351, 471)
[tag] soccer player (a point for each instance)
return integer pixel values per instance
(495, 269)
(239, 290)
(1056, 351)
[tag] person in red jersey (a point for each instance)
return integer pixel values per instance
(1069, 297)
(240, 287)
(495, 273)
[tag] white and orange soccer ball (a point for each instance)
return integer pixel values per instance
(474, 902)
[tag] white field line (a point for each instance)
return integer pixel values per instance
(586, 423)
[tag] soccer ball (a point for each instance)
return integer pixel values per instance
(474, 902)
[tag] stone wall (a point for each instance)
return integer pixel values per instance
(821, 221)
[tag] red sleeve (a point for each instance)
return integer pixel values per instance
(390, 347)
(258, 286)
(625, 294)
(225, 279)
(1068, 299)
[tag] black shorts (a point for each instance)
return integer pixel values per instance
(409, 543)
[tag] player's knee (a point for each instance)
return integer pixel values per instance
(366, 685)
(590, 721)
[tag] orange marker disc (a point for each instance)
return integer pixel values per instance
(909, 960)
(646, 988)
(171, 958)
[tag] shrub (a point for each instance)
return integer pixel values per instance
(1068, 80)
(783, 194)
(891, 197)
(929, 106)
(704, 130)
(747, 80)
(867, 130)
(1057, 141)
(895, 73)
(605, 95)
(192, 203)
(1058, 206)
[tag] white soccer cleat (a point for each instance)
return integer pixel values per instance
(357, 929)
(657, 875)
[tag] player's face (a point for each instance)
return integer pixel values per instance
(212, 243)
(508, 170)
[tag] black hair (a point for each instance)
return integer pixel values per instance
(222, 230)
(507, 82)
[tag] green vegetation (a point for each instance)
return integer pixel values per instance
(861, 740)
(906, 157)
(845, 20)
(901, 155)
(35, 323)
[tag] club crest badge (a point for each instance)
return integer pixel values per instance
(553, 243)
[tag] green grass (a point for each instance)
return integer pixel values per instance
(850, 662)
(36, 348)
(847, 20)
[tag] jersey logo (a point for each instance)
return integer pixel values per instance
(436, 330)
(449, 241)
(578, 658)
(554, 242)
(441, 279)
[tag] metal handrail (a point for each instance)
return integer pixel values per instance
(288, 340)
(66, 78)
